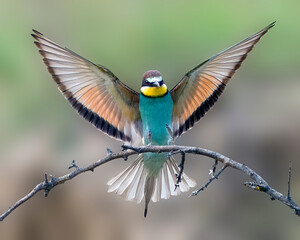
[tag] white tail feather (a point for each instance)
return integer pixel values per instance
(131, 182)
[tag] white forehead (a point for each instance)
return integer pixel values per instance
(154, 79)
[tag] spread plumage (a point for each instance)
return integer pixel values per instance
(155, 116)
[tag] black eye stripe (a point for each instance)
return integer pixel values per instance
(152, 84)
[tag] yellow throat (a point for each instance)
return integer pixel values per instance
(154, 91)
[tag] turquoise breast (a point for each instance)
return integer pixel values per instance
(155, 114)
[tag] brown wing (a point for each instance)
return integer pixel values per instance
(200, 88)
(94, 91)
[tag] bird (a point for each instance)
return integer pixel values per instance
(155, 116)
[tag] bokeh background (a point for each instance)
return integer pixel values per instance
(256, 121)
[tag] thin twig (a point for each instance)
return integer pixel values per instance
(214, 167)
(215, 176)
(289, 182)
(47, 185)
(73, 165)
(181, 167)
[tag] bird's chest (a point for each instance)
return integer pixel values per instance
(156, 113)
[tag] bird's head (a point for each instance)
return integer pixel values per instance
(153, 85)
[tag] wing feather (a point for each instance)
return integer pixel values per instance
(94, 91)
(201, 87)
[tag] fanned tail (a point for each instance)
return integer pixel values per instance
(131, 182)
(134, 182)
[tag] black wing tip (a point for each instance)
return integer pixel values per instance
(271, 25)
(267, 28)
(35, 32)
(37, 36)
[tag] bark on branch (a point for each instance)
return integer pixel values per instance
(258, 183)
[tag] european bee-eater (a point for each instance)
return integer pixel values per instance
(154, 116)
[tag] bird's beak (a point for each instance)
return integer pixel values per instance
(156, 84)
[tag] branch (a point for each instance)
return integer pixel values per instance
(258, 182)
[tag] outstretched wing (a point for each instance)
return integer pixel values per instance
(94, 91)
(200, 88)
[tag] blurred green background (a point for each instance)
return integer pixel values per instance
(256, 121)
